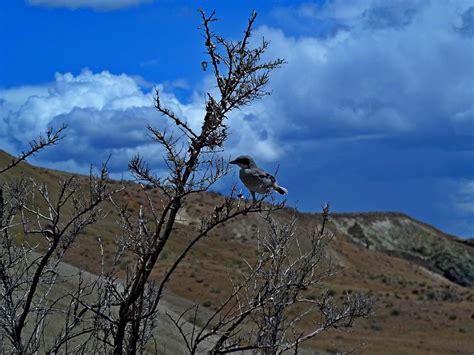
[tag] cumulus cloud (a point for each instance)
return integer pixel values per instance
(107, 114)
(398, 67)
(101, 5)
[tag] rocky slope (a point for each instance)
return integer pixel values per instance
(405, 237)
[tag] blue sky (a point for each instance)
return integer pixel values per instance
(374, 109)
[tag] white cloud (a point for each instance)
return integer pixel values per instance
(398, 67)
(107, 114)
(101, 5)
(36, 108)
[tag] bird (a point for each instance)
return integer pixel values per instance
(256, 179)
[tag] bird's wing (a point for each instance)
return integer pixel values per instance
(262, 174)
(257, 180)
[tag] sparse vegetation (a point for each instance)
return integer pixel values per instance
(395, 312)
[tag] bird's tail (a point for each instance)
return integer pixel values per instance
(281, 190)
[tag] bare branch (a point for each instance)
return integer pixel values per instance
(51, 138)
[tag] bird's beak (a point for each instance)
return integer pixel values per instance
(233, 162)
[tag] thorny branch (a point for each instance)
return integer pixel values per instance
(52, 137)
(193, 167)
(262, 312)
(25, 273)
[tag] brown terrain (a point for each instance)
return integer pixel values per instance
(421, 279)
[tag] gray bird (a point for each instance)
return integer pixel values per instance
(256, 179)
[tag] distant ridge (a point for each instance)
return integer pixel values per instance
(400, 215)
(403, 236)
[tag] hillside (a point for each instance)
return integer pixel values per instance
(400, 235)
(417, 275)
